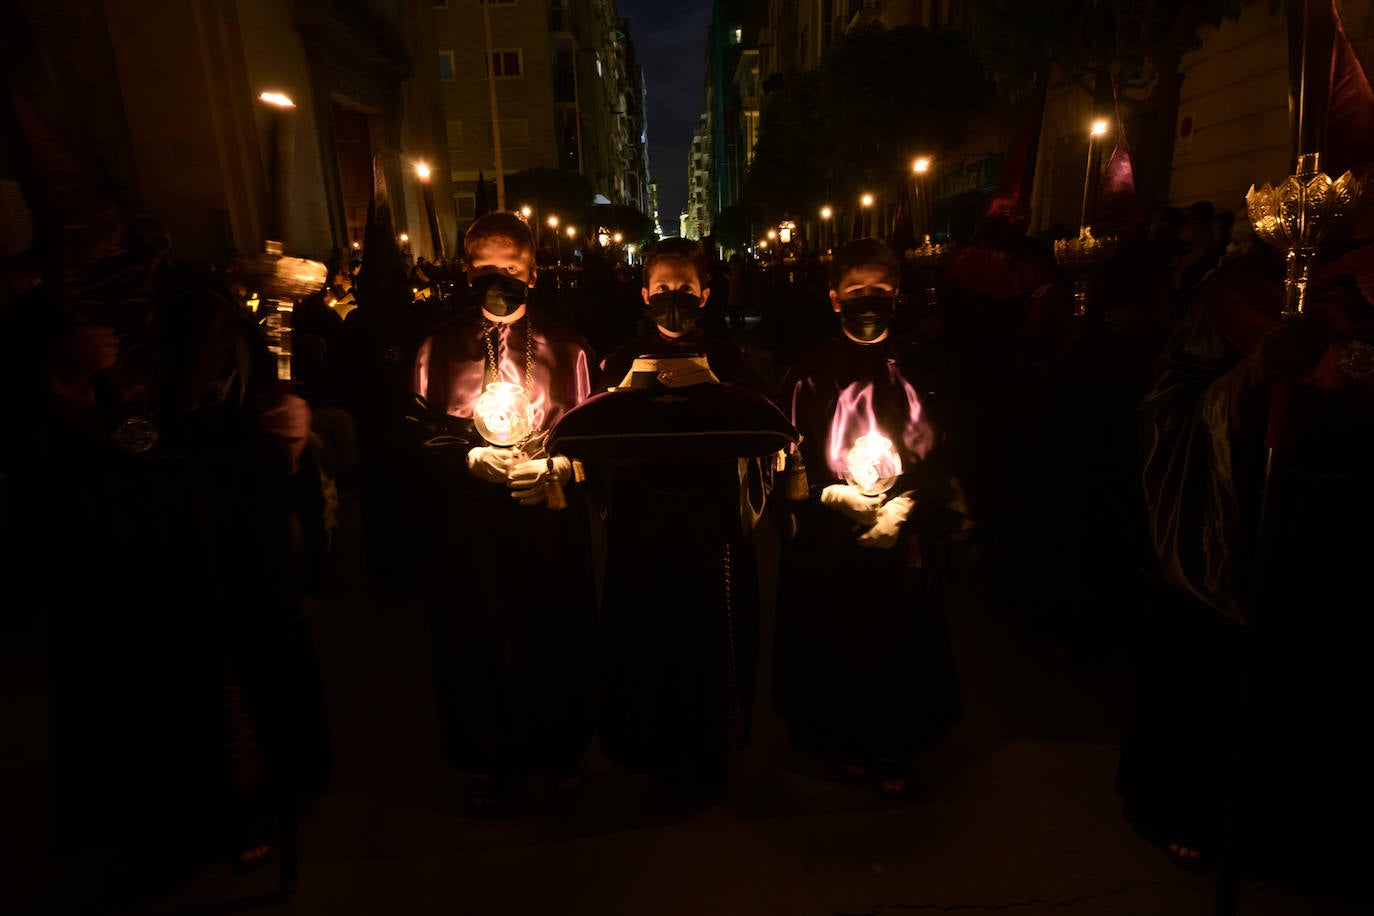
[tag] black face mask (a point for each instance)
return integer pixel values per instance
(674, 311)
(498, 294)
(866, 317)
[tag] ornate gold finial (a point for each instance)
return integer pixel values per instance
(1306, 211)
(928, 261)
(1082, 259)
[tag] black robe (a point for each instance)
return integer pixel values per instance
(682, 482)
(1254, 668)
(185, 695)
(513, 598)
(863, 670)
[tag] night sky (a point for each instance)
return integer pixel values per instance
(670, 41)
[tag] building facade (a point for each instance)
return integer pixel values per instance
(163, 97)
(569, 95)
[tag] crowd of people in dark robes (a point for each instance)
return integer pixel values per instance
(171, 499)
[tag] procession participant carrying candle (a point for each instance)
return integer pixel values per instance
(863, 671)
(512, 591)
(681, 464)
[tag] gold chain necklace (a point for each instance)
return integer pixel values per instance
(490, 329)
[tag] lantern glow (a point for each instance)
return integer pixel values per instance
(422, 171)
(872, 464)
(1099, 127)
(503, 414)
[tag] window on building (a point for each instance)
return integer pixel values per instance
(564, 77)
(446, 71)
(565, 121)
(454, 129)
(506, 63)
(515, 133)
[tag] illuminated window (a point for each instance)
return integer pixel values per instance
(446, 65)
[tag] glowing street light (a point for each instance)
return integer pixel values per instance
(826, 212)
(422, 171)
(280, 99)
(603, 238)
(1099, 127)
(553, 222)
(404, 237)
(526, 212)
(772, 233)
(866, 200)
(617, 238)
(763, 243)
(921, 165)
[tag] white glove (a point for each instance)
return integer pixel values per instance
(891, 516)
(489, 463)
(852, 502)
(528, 479)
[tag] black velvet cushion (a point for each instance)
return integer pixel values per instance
(706, 422)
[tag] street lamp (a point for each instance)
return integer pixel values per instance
(526, 212)
(431, 214)
(865, 202)
(604, 238)
(1098, 129)
(921, 205)
(281, 145)
(617, 238)
(553, 222)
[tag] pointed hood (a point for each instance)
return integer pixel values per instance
(102, 257)
(383, 282)
(1117, 211)
(1012, 196)
(1350, 130)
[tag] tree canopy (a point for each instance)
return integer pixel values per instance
(878, 98)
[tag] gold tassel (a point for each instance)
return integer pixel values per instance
(553, 489)
(780, 461)
(795, 484)
(579, 472)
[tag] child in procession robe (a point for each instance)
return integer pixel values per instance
(682, 460)
(513, 598)
(863, 670)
